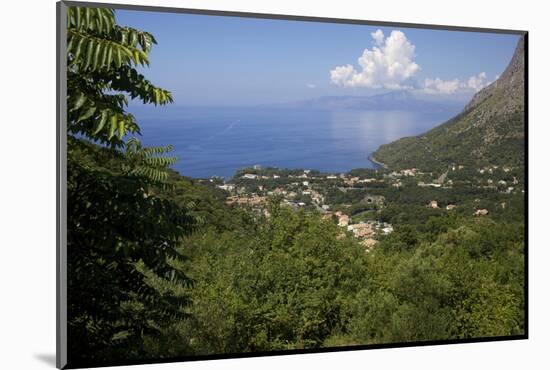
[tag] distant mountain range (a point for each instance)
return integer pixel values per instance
(395, 100)
(489, 131)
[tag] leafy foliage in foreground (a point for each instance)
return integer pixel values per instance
(121, 236)
(467, 283)
(119, 240)
(294, 280)
(102, 58)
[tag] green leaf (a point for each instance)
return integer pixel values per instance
(109, 55)
(99, 20)
(118, 58)
(89, 112)
(136, 57)
(121, 129)
(79, 102)
(77, 19)
(133, 38)
(148, 44)
(70, 44)
(157, 96)
(109, 19)
(79, 47)
(89, 53)
(101, 122)
(104, 53)
(97, 56)
(113, 126)
(87, 16)
(124, 37)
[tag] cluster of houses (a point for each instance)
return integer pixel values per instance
(409, 172)
(490, 169)
(502, 184)
(440, 182)
(245, 200)
(433, 204)
(227, 187)
(353, 180)
(432, 184)
(302, 191)
(481, 212)
(364, 231)
(347, 179)
(253, 176)
(450, 207)
(301, 187)
(443, 182)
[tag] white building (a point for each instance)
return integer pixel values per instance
(388, 229)
(228, 187)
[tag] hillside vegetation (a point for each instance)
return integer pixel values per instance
(294, 280)
(490, 130)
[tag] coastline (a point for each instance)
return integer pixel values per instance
(227, 178)
(377, 162)
(377, 165)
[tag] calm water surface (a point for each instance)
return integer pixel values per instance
(218, 141)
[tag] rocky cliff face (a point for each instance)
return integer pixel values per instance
(511, 83)
(490, 130)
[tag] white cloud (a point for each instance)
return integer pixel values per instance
(311, 86)
(378, 37)
(437, 85)
(390, 66)
(472, 84)
(340, 75)
(478, 82)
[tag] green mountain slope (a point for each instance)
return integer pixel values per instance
(490, 130)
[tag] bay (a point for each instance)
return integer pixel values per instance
(210, 141)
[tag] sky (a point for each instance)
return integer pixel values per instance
(233, 61)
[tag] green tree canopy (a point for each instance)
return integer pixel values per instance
(122, 237)
(102, 58)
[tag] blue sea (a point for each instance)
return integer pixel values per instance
(218, 141)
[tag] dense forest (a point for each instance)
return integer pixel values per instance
(161, 267)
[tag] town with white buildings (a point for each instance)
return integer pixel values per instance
(356, 200)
